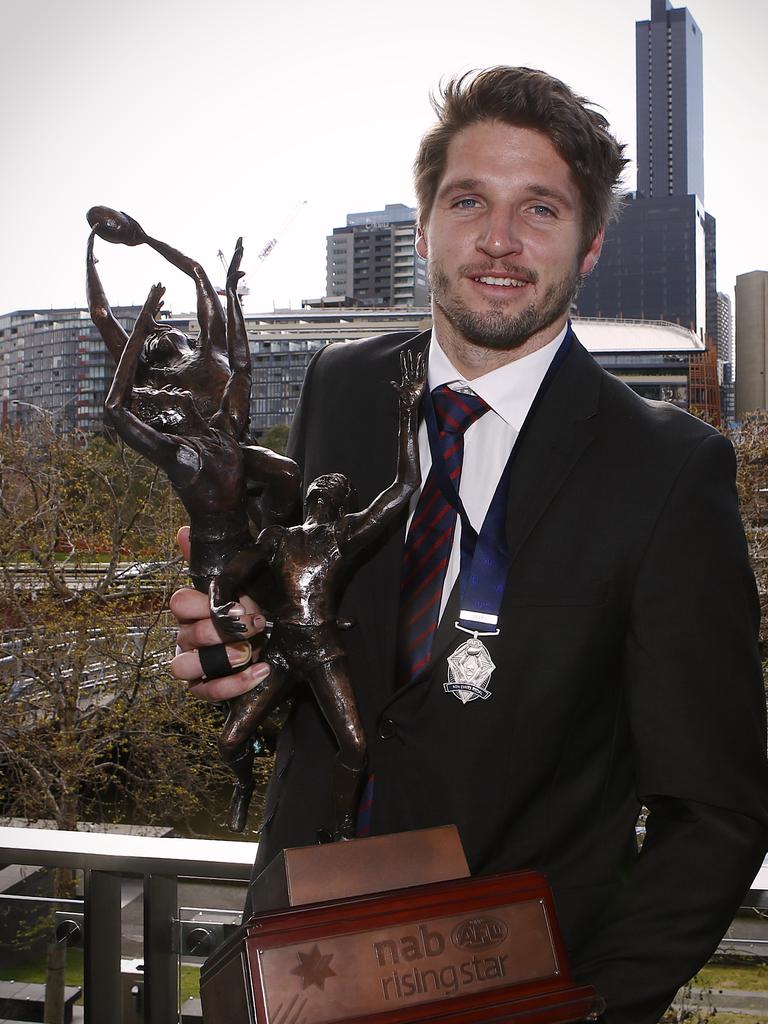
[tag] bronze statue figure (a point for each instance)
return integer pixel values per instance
(205, 458)
(170, 361)
(307, 564)
(185, 406)
(207, 463)
(173, 370)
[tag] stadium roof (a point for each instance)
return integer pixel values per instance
(635, 336)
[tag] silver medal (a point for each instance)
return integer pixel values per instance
(469, 670)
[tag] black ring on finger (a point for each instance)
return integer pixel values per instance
(215, 663)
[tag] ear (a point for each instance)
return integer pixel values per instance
(592, 255)
(421, 242)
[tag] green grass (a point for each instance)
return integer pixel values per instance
(750, 977)
(33, 971)
(190, 982)
(738, 1018)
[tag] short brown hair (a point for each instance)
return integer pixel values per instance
(530, 99)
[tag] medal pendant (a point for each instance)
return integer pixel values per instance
(469, 670)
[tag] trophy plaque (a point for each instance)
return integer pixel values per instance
(465, 950)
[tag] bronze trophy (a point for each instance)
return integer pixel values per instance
(389, 930)
(185, 406)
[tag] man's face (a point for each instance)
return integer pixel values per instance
(504, 240)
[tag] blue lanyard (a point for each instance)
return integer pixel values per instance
(484, 556)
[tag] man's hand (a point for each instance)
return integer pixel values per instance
(412, 380)
(196, 630)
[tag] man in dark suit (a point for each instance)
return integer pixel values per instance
(625, 668)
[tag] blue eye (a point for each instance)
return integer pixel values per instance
(466, 204)
(543, 211)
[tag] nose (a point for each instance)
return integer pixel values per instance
(499, 235)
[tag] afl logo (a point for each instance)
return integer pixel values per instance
(479, 933)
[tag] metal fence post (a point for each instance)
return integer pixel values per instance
(160, 950)
(103, 996)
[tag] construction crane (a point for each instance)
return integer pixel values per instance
(242, 288)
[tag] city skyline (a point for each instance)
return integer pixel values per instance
(327, 104)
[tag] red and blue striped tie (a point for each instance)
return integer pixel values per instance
(430, 535)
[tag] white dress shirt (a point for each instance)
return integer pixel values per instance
(509, 391)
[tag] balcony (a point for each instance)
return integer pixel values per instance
(148, 910)
(138, 940)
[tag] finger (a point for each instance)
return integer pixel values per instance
(203, 632)
(196, 629)
(188, 605)
(231, 686)
(182, 539)
(187, 666)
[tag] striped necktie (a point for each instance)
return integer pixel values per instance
(430, 535)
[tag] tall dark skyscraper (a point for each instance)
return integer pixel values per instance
(670, 107)
(659, 260)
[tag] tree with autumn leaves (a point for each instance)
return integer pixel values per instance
(93, 726)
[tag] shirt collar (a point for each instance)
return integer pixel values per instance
(508, 390)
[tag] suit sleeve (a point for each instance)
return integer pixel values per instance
(696, 705)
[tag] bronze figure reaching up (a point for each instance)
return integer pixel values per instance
(307, 563)
(204, 458)
(169, 360)
(207, 464)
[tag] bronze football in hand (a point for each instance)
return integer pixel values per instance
(115, 226)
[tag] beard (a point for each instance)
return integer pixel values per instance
(496, 328)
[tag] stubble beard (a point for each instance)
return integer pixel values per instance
(498, 329)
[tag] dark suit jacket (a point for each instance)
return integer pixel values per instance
(627, 673)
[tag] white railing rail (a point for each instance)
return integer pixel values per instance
(105, 859)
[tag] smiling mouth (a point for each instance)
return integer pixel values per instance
(504, 282)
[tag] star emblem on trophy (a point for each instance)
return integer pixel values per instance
(314, 968)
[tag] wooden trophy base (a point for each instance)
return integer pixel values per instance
(466, 950)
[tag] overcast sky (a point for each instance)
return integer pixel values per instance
(209, 120)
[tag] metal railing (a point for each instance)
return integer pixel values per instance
(169, 931)
(106, 859)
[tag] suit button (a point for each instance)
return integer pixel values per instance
(387, 729)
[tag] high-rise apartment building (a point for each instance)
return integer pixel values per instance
(61, 369)
(724, 329)
(55, 360)
(725, 357)
(659, 261)
(751, 342)
(372, 259)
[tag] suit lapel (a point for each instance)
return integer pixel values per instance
(384, 593)
(562, 428)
